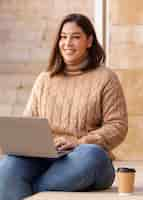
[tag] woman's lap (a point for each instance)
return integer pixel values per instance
(87, 165)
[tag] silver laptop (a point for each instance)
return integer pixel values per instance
(27, 137)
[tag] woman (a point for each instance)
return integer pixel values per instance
(85, 106)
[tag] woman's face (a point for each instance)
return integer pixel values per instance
(73, 43)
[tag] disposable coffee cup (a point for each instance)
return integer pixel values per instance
(125, 180)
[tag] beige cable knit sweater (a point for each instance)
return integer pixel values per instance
(87, 105)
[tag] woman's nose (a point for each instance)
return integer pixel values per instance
(68, 41)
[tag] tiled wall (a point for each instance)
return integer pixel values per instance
(126, 58)
(27, 28)
(126, 33)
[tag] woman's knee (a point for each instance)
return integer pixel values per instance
(100, 164)
(8, 166)
(92, 150)
(7, 181)
(14, 187)
(14, 166)
(95, 153)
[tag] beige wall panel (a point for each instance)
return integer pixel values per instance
(132, 147)
(5, 109)
(128, 34)
(17, 110)
(14, 92)
(126, 11)
(126, 55)
(7, 96)
(132, 83)
(16, 81)
(27, 69)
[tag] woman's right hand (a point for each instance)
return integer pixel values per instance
(63, 143)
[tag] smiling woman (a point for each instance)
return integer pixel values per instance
(85, 106)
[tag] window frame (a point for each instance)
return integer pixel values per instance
(101, 18)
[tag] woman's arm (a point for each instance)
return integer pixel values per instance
(114, 117)
(32, 107)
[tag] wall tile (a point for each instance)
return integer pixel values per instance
(126, 34)
(131, 148)
(126, 11)
(132, 82)
(5, 109)
(126, 55)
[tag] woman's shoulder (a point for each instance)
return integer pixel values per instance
(106, 73)
(41, 79)
(43, 76)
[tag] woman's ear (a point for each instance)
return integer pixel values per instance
(90, 41)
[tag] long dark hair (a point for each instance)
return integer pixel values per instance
(96, 54)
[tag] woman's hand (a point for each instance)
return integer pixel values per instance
(63, 143)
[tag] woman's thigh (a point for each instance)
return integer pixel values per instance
(87, 165)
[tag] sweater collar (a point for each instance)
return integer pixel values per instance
(76, 69)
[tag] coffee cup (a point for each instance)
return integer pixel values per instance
(125, 180)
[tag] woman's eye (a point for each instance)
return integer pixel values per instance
(63, 37)
(76, 37)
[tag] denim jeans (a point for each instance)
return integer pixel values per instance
(87, 167)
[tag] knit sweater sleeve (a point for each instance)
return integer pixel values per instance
(114, 117)
(32, 108)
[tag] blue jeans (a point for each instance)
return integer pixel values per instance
(87, 167)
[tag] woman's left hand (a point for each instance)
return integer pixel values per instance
(63, 143)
